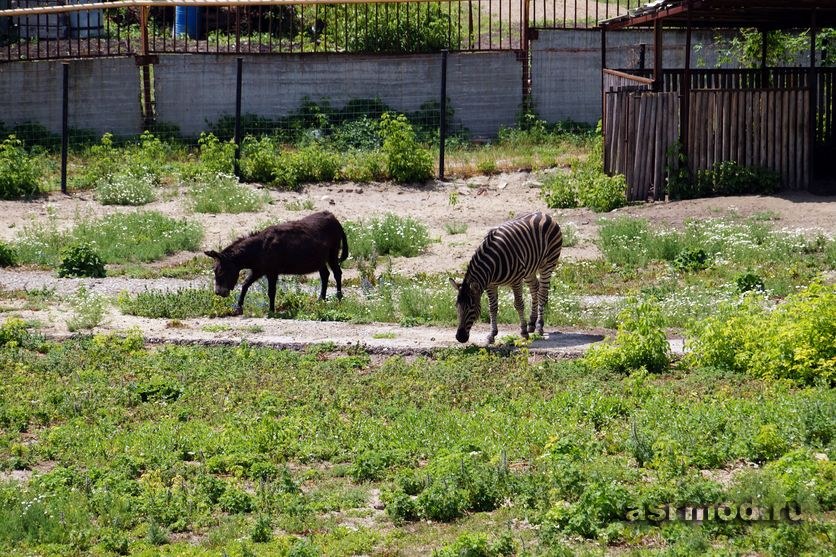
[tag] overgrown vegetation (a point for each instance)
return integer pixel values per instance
(117, 238)
(19, 172)
(586, 185)
(204, 449)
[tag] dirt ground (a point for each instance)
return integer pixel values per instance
(480, 203)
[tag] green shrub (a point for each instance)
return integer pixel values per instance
(604, 193)
(362, 134)
(639, 342)
(19, 173)
(258, 159)
(401, 507)
(125, 189)
(216, 156)
(363, 166)
(731, 178)
(88, 310)
(477, 545)
(13, 331)
(235, 501)
(442, 501)
(406, 160)
(426, 29)
(221, 193)
(372, 465)
(748, 282)
(315, 164)
(262, 530)
(118, 238)
(8, 255)
(180, 304)
(389, 235)
(794, 340)
(691, 260)
(81, 260)
(560, 191)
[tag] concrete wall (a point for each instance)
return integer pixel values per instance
(485, 89)
(103, 95)
(566, 66)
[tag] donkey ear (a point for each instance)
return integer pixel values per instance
(213, 254)
(455, 284)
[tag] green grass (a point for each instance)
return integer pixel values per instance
(117, 238)
(181, 443)
(219, 193)
(387, 235)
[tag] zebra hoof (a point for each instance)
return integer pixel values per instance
(540, 331)
(490, 340)
(524, 334)
(531, 327)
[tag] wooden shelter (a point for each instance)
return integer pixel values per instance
(777, 118)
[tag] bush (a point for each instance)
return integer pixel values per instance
(793, 341)
(731, 178)
(406, 160)
(125, 189)
(748, 282)
(639, 343)
(390, 235)
(690, 260)
(216, 156)
(235, 501)
(13, 331)
(604, 193)
(477, 545)
(258, 159)
(560, 191)
(8, 255)
(81, 260)
(88, 310)
(19, 174)
(401, 507)
(221, 193)
(442, 501)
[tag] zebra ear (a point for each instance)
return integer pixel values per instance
(455, 284)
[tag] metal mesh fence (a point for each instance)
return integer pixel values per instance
(50, 29)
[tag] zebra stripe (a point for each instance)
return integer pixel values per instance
(524, 250)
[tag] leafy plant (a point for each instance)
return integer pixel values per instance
(560, 191)
(8, 255)
(216, 156)
(125, 189)
(793, 340)
(88, 310)
(639, 342)
(81, 260)
(748, 282)
(731, 178)
(406, 160)
(221, 193)
(604, 193)
(19, 173)
(691, 260)
(389, 235)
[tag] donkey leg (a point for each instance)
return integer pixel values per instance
(519, 305)
(533, 287)
(493, 305)
(251, 278)
(323, 277)
(271, 291)
(334, 263)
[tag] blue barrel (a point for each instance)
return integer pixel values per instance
(188, 20)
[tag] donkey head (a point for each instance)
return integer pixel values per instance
(468, 307)
(226, 273)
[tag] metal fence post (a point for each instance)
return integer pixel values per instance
(237, 138)
(65, 132)
(442, 125)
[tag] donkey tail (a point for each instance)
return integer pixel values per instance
(344, 254)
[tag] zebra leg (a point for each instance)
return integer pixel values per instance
(543, 298)
(519, 305)
(533, 287)
(493, 306)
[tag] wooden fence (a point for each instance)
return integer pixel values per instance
(766, 128)
(640, 128)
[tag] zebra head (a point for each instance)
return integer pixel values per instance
(468, 307)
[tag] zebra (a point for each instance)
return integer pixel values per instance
(511, 254)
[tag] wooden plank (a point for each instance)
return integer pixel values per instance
(805, 144)
(764, 128)
(786, 136)
(793, 139)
